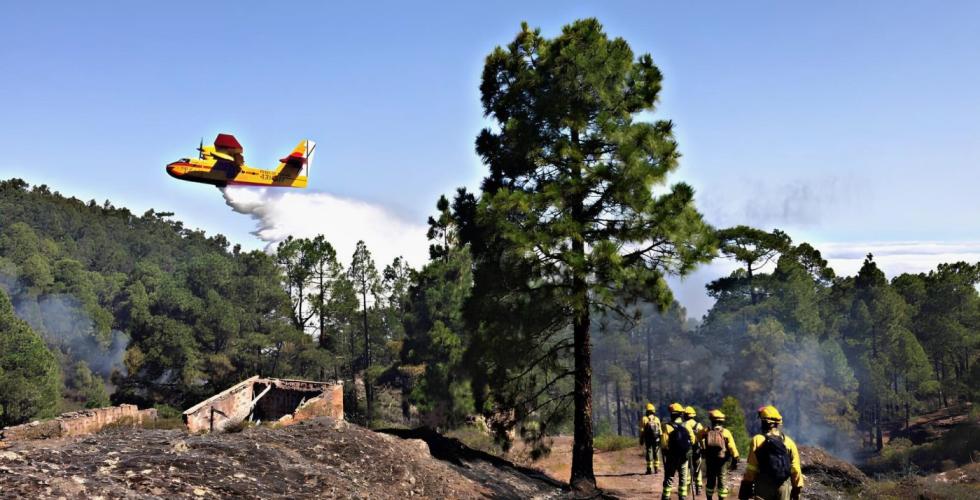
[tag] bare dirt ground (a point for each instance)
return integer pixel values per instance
(320, 458)
(619, 473)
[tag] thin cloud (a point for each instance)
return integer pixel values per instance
(896, 258)
(798, 203)
(893, 258)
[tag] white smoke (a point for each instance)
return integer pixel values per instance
(279, 214)
(62, 322)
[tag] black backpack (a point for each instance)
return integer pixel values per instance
(774, 459)
(679, 442)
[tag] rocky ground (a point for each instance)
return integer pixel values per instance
(325, 458)
(319, 458)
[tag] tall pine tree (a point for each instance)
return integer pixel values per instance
(571, 185)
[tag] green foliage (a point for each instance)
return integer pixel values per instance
(198, 315)
(86, 387)
(613, 442)
(476, 439)
(30, 380)
(436, 337)
(959, 446)
(735, 422)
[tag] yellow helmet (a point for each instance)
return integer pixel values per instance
(770, 413)
(651, 408)
(690, 411)
(675, 408)
(716, 416)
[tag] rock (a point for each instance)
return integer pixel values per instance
(10, 456)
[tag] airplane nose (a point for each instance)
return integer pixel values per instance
(172, 170)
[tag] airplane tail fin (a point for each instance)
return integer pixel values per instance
(301, 158)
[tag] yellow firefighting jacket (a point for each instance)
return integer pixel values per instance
(752, 467)
(696, 428)
(643, 424)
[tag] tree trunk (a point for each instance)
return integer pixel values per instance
(619, 410)
(879, 442)
(609, 413)
(907, 397)
(637, 386)
(942, 384)
(324, 341)
(583, 476)
(368, 393)
(649, 389)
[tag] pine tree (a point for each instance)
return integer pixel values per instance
(30, 380)
(735, 422)
(570, 185)
(364, 276)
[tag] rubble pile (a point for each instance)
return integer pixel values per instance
(828, 477)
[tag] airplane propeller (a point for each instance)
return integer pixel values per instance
(200, 149)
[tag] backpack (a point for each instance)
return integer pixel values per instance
(679, 442)
(651, 431)
(714, 443)
(774, 460)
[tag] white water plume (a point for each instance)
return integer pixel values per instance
(279, 214)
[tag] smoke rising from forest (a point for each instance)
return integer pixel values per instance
(699, 365)
(62, 322)
(279, 214)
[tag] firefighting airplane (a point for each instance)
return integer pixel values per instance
(223, 165)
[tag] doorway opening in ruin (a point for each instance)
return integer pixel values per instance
(276, 402)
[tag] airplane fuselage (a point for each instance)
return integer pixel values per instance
(222, 173)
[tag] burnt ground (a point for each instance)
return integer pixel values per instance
(931, 426)
(318, 458)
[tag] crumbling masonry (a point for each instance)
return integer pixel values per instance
(79, 423)
(266, 400)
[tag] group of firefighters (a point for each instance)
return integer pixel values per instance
(772, 471)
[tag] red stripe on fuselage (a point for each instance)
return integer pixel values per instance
(245, 183)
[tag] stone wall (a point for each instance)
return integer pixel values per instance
(223, 410)
(268, 400)
(328, 404)
(80, 423)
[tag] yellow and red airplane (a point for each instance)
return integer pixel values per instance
(223, 165)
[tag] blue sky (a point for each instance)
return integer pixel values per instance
(849, 124)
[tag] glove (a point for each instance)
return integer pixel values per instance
(745, 490)
(795, 493)
(734, 464)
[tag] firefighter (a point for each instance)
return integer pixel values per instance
(720, 455)
(650, 433)
(773, 467)
(676, 444)
(695, 463)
